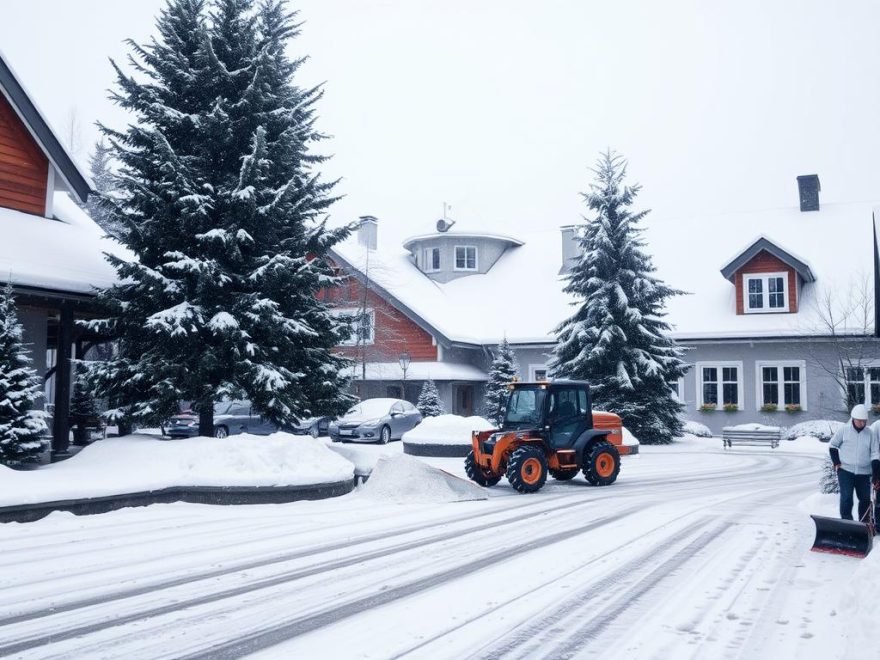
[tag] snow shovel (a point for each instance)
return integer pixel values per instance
(846, 537)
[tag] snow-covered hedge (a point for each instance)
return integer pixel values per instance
(697, 429)
(446, 430)
(816, 428)
(139, 463)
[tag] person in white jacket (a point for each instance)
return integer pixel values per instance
(855, 453)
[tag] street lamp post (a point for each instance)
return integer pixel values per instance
(404, 361)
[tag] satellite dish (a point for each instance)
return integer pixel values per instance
(443, 224)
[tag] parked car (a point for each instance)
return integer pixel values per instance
(313, 426)
(230, 418)
(376, 420)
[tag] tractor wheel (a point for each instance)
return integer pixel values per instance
(564, 475)
(527, 469)
(602, 464)
(477, 474)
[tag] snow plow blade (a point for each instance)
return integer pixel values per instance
(842, 537)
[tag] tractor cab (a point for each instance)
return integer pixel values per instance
(548, 427)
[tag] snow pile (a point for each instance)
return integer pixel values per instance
(141, 463)
(406, 480)
(816, 428)
(821, 504)
(363, 457)
(446, 430)
(695, 428)
(629, 440)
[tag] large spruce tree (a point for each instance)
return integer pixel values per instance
(617, 338)
(21, 427)
(223, 208)
(502, 373)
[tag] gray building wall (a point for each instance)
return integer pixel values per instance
(824, 398)
(489, 250)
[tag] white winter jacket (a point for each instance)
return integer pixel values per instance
(856, 448)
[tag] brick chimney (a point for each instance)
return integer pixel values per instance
(368, 231)
(808, 190)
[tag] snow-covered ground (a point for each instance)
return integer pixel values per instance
(138, 463)
(695, 552)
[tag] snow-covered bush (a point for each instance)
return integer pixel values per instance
(429, 403)
(823, 429)
(828, 480)
(697, 429)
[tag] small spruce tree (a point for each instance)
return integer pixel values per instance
(21, 427)
(617, 337)
(828, 480)
(429, 403)
(83, 407)
(502, 372)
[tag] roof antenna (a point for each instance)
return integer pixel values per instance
(444, 223)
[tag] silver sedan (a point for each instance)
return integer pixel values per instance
(376, 420)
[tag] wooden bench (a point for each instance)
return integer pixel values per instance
(766, 436)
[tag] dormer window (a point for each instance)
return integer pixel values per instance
(431, 259)
(465, 257)
(766, 292)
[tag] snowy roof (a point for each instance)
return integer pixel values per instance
(78, 183)
(62, 254)
(452, 233)
(521, 296)
(420, 371)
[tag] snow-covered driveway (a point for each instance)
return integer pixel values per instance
(692, 553)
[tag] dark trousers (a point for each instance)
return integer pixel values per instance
(861, 483)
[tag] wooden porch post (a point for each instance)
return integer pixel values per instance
(61, 420)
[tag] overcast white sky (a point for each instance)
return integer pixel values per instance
(499, 107)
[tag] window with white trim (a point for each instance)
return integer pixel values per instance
(431, 259)
(677, 387)
(537, 372)
(782, 384)
(765, 292)
(720, 384)
(862, 385)
(465, 257)
(363, 325)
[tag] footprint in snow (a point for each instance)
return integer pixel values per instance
(806, 635)
(782, 622)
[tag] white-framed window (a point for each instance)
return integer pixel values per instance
(465, 257)
(765, 293)
(720, 383)
(363, 325)
(538, 372)
(431, 259)
(781, 383)
(862, 385)
(677, 387)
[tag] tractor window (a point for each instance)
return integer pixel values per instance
(568, 403)
(525, 406)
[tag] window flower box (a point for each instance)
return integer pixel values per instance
(731, 407)
(708, 407)
(770, 408)
(793, 408)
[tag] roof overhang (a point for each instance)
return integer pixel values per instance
(27, 111)
(412, 240)
(764, 244)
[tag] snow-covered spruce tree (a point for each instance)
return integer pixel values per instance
(20, 425)
(429, 403)
(828, 480)
(501, 374)
(617, 337)
(104, 186)
(83, 406)
(223, 208)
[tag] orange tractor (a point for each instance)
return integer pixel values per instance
(548, 428)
